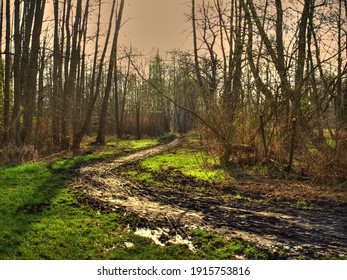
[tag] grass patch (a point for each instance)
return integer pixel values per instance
(189, 162)
(257, 169)
(133, 144)
(142, 177)
(41, 219)
(302, 204)
(216, 247)
(331, 142)
(111, 149)
(72, 162)
(238, 196)
(312, 149)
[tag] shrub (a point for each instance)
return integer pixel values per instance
(14, 154)
(328, 165)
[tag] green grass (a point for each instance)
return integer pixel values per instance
(257, 169)
(328, 140)
(111, 149)
(143, 177)
(216, 247)
(40, 218)
(187, 161)
(71, 162)
(133, 144)
(302, 204)
(331, 142)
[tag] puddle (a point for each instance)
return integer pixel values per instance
(128, 244)
(162, 237)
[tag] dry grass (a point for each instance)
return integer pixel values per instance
(328, 166)
(14, 154)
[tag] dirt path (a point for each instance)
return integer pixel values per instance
(274, 226)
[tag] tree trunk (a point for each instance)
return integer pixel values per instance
(56, 92)
(116, 102)
(345, 95)
(7, 84)
(17, 79)
(120, 104)
(1, 62)
(1, 22)
(65, 93)
(31, 82)
(100, 139)
(95, 85)
(39, 115)
(299, 79)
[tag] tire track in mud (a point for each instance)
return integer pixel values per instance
(274, 227)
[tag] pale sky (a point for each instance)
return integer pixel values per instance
(156, 24)
(147, 24)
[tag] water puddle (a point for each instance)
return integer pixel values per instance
(163, 237)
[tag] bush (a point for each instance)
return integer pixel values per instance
(14, 154)
(328, 165)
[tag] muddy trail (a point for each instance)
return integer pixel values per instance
(178, 204)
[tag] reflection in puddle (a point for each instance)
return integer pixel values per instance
(162, 237)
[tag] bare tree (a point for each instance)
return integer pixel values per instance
(345, 95)
(1, 22)
(31, 81)
(68, 80)
(220, 77)
(95, 81)
(299, 81)
(1, 60)
(57, 78)
(7, 74)
(291, 94)
(100, 139)
(40, 96)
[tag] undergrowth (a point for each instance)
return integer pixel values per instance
(188, 162)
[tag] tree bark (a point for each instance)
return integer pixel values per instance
(39, 115)
(65, 103)
(31, 82)
(7, 84)
(100, 139)
(95, 81)
(56, 91)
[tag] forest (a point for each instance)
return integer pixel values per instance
(236, 143)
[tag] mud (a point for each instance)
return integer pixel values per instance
(179, 205)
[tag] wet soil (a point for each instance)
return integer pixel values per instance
(262, 211)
